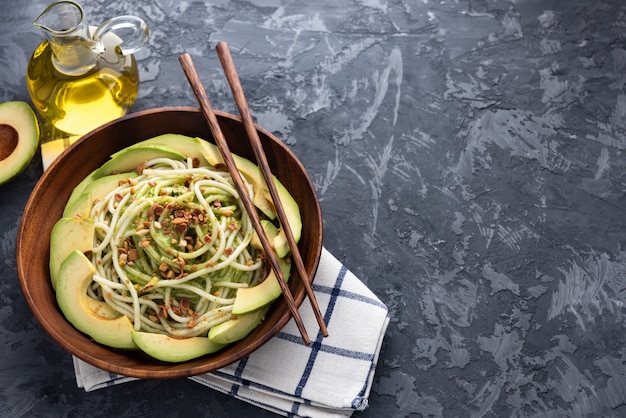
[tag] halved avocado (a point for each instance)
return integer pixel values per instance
(174, 350)
(76, 274)
(19, 138)
(67, 235)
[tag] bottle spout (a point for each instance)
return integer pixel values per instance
(62, 19)
(67, 30)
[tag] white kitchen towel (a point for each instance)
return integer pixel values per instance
(331, 377)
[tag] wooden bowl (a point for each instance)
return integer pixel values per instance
(48, 200)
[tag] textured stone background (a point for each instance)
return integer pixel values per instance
(468, 156)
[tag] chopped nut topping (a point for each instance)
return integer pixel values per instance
(181, 228)
(163, 312)
(133, 254)
(140, 168)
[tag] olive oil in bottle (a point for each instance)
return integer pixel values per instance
(77, 104)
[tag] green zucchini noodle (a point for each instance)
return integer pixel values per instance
(171, 248)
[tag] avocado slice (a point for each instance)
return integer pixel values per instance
(174, 350)
(249, 299)
(76, 273)
(19, 138)
(84, 194)
(102, 309)
(184, 144)
(270, 231)
(79, 206)
(237, 327)
(130, 158)
(67, 235)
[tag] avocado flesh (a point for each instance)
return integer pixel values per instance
(174, 350)
(19, 138)
(102, 309)
(237, 327)
(270, 232)
(76, 275)
(67, 235)
(80, 206)
(249, 299)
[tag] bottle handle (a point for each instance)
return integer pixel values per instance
(122, 26)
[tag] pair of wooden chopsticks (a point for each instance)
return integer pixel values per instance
(207, 110)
